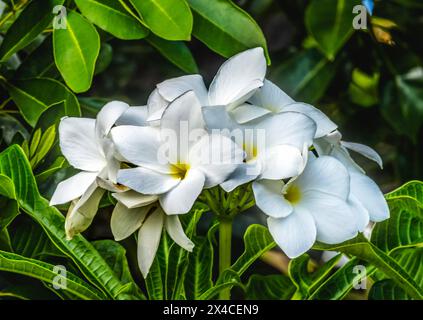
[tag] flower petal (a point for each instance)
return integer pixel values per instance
(147, 181)
(282, 162)
(177, 233)
(73, 187)
(79, 144)
(217, 117)
(181, 198)
(366, 191)
(217, 156)
(245, 172)
(238, 78)
(247, 112)
(326, 175)
(175, 87)
(365, 151)
(269, 198)
(335, 222)
(107, 117)
(156, 106)
(132, 199)
(295, 234)
(125, 221)
(271, 97)
(82, 212)
(324, 124)
(360, 212)
(148, 240)
(134, 116)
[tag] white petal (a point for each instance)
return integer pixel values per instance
(107, 117)
(368, 193)
(281, 162)
(132, 199)
(147, 181)
(134, 116)
(180, 199)
(365, 151)
(291, 128)
(334, 219)
(327, 175)
(82, 212)
(173, 88)
(79, 144)
(295, 234)
(177, 233)
(156, 106)
(217, 117)
(324, 124)
(244, 173)
(238, 78)
(216, 156)
(110, 186)
(149, 240)
(269, 198)
(125, 221)
(140, 146)
(360, 212)
(271, 97)
(247, 112)
(73, 187)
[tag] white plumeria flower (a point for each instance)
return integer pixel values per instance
(365, 198)
(87, 147)
(135, 211)
(313, 206)
(179, 179)
(276, 147)
(235, 82)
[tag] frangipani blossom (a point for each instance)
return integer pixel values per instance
(313, 206)
(87, 147)
(179, 179)
(235, 82)
(365, 197)
(135, 211)
(280, 154)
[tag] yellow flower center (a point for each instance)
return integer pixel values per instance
(180, 170)
(250, 150)
(293, 194)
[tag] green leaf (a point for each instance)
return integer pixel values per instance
(14, 164)
(340, 283)
(386, 290)
(10, 127)
(115, 256)
(363, 89)
(365, 250)
(35, 140)
(304, 280)
(306, 76)
(46, 143)
(200, 265)
(34, 96)
(257, 240)
(169, 19)
(227, 280)
(9, 208)
(105, 57)
(413, 189)
(225, 28)
(270, 287)
(112, 17)
(329, 22)
(35, 17)
(11, 262)
(176, 52)
(402, 103)
(76, 49)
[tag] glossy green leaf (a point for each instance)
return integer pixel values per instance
(11, 127)
(105, 57)
(306, 76)
(112, 17)
(386, 290)
(76, 49)
(34, 96)
(35, 17)
(11, 262)
(330, 23)
(228, 279)
(169, 19)
(413, 189)
(14, 164)
(225, 28)
(8, 205)
(176, 52)
(270, 287)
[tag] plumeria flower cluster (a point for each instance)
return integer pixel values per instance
(157, 159)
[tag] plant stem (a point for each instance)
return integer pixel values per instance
(225, 237)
